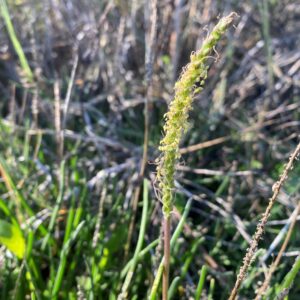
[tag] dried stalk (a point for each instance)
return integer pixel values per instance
(248, 259)
(275, 264)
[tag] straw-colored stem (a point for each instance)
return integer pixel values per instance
(248, 259)
(275, 264)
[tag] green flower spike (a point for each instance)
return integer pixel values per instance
(190, 83)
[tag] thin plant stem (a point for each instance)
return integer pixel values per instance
(67, 103)
(248, 259)
(100, 216)
(201, 282)
(189, 84)
(211, 289)
(57, 119)
(167, 252)
(63, 261)
(124, 291)
(140, 256)
(275, 264)
(173, 241)
(57, 205)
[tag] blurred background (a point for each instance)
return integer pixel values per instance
(83, 82)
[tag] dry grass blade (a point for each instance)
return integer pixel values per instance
(204, 145)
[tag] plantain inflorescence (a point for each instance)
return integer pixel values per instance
(190, 83)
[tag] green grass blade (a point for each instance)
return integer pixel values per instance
(70, 220)
(290, 276)
(201, 282)
(140, 256)
(63, 261)
(173, 287)
(8, 212)
(57, 205)
(211, 289)
(139, 245)
(186, 264)
(19, 198)
(15, 41)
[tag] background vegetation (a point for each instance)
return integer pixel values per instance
(78, 204)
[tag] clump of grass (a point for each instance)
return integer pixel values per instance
(190, 83)
(248, 259)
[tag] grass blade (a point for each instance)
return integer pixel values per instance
(201, 282)
(63, 261)
(15, 41)
(123, 294)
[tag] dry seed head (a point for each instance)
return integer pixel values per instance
(248, 259)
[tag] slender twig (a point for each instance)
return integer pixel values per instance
(279, 237)
(100, 216)
(67, 100)
(204, 145)
(248, 259)
(57, 119)
(275, 264)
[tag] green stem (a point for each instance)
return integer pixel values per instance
(166, 270)
(201, 282)
(140, 256)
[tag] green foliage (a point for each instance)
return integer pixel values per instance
(15, 41)
(201, 282)
(290, 276)
(11, 237)
(51, 213)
